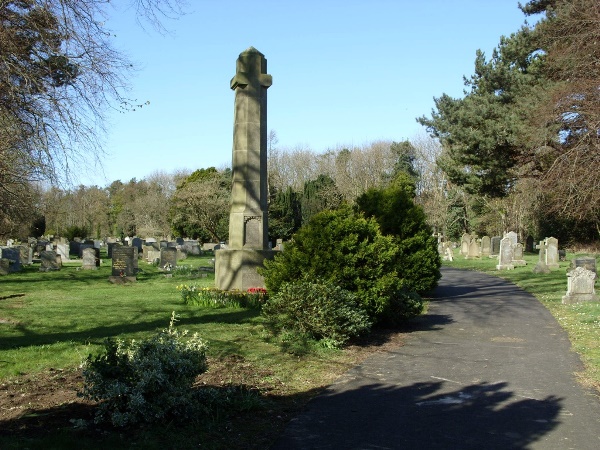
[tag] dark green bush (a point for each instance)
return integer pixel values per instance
(402, 305)
(342, 248)
(418, 261)
(319, 311)
(146, 381)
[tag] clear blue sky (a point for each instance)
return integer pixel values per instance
(345, 72)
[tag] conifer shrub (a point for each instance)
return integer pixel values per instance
(345, 249)
(317, 311)
(145, 381)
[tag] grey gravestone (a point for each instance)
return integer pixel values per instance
(236, 267)
(123, 263)
(179, 241)
(473, 249)
(89, 259)
(552, 253)
(464, 244)
(513, 237)
(541, 266)
(518, 255)
(505, 257)
(586, 262)
(163, 244)
(580, 286)
(50, 261)
(4, 266)
(26, 254)
(63, 249)
(495, 246)
(168, 258)
(191, 247)
(83, 246)
(209, 246)
(486, 246)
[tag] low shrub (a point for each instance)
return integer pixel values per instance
(321, 311)
(217, 298)
(146, 381)
(402, 305)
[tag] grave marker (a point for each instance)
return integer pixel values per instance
(580, 286)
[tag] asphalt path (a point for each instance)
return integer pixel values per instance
(488, 367)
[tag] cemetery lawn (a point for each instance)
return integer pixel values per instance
(580, 321)
(51, 321)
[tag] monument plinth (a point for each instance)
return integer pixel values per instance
(235, 267)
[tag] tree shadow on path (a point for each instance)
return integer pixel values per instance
(423, 415)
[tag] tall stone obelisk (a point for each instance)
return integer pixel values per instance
(235, 267)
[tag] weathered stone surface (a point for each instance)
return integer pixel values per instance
(505, 257)
(580, 286)
(235, 267)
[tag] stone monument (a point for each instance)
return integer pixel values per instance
(236, 266)
(580, 286)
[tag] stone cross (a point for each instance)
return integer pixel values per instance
(248, 227)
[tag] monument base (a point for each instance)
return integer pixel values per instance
(237, 269)
(121, 280)
(505, 267)
(570, 299)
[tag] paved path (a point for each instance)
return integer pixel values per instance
(487, 368)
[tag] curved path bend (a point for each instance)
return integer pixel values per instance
(488, 367)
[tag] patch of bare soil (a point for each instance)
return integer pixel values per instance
(35, 405)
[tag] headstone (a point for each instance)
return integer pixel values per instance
(552, 253)
(541, 266)
(464, 244)
(89, 259)
(486, 247)
(236, 267)
(4, 266)
(505, 257)
(580, 286)
(209, 246)
(473, 249)
(518, 259)
(179, 241)
(26, 254)
(191, 247)
(529, 244)
(495, 246)
(98, 244)
(513, 237)
(168, 259)
(449, 255)
(123, 264)
(50, 261)
(153, 255)
(109, 248)
(13, 255)
(587, 262)
(137, 242)
(63, 249)
(163, 244)
(74, 248)
(83, 246)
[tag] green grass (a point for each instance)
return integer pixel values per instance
(580, 321)
(54, 320)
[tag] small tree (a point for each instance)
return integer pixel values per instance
(404, 222)
(345, 249)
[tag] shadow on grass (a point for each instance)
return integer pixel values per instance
(420, 415)
(98, 334)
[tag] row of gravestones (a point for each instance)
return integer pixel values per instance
(125, 262)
